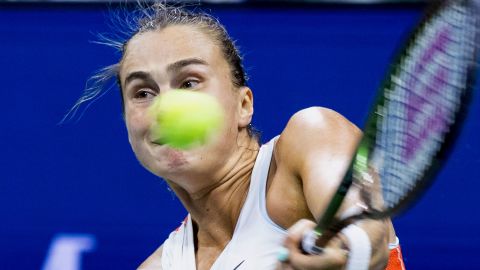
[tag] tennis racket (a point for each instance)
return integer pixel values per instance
(414, 121)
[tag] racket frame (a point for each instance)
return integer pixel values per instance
(328, 226)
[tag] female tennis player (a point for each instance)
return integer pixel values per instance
(246, 202)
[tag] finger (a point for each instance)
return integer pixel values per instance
(296, 232)
(293, 239)
(283, 266)
(293, 257)
(331, 258)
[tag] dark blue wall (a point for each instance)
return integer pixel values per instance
(82, 178)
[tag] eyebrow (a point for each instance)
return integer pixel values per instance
(171, 68)
(175, 67)
(141, 75)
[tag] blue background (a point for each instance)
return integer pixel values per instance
(82, 177)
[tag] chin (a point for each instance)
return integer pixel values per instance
(166, 162)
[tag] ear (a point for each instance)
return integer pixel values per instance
(245, 107)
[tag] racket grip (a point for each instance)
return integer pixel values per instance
(309, 243)
(359, 246)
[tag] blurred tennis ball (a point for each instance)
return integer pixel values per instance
(185, 119)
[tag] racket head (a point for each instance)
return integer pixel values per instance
(420, 109)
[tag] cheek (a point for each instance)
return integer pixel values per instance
(231, 110)
(231, 119)
(230, 128)
(137, 126)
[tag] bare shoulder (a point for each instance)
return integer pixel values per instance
(309, 158)
(313, 131)
(154, 261)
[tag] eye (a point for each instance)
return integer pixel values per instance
(188, 84)
(144, 94)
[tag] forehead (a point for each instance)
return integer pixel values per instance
(156, 49)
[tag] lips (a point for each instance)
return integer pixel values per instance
(157, 142)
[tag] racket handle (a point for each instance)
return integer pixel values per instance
(309, 243)
(360, 246)
(314, 240)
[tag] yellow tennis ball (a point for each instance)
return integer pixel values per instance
(185, 119)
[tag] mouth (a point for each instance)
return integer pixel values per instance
(157, 142)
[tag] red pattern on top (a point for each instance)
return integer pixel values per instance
(395, 260)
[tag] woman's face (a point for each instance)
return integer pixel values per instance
(179, 57)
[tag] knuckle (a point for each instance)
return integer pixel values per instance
(290, 239)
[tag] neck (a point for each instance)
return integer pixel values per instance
(215, 208)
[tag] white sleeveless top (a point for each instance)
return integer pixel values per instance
(256, 238)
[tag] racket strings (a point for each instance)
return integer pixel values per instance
(422, 99)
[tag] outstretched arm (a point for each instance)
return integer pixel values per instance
(315, 150)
